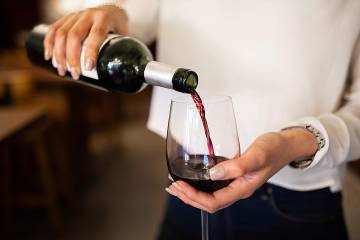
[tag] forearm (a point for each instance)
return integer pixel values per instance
(142, 18)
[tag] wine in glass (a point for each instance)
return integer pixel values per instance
(201, 134)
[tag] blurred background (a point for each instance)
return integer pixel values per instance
(78, 163)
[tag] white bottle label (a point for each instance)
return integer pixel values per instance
(43, 29)
(87, 73)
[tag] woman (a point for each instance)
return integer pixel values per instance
(286, 65)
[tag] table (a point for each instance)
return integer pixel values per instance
(28, 122)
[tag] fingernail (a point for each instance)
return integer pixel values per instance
(170, 192)
(75, 73)
(47, 55)
(177, 186)
(216, 174)
(89, 64)
(61, 70)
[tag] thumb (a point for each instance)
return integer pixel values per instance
(229, 169)
(250, 161)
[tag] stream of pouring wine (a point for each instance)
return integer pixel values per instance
(201, 109)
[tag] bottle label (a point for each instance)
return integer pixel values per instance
(87, 73)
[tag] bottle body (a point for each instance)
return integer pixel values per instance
(123, 64)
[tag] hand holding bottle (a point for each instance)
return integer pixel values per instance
(64, 37)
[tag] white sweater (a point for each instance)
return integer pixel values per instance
(283, 62)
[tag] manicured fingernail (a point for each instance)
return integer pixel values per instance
(75, 73)
(177, 186)
(47, 55)
(216, 174)
(170, 192)
(61, 70)
(89, 64)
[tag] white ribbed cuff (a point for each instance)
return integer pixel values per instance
(339, 139)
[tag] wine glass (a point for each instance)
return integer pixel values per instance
(190, 153)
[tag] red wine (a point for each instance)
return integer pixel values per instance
(123, 64)
(194, 172)
(200, 106)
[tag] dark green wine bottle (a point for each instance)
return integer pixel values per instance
(123, 64)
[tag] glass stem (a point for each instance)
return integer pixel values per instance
(204, 225)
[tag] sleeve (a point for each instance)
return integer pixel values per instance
(350, 112)
(143, 16)
(340, 129)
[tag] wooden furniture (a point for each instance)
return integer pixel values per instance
(27, 125)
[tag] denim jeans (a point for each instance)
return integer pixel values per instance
(271, 212)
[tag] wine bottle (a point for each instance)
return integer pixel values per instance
(123, 64)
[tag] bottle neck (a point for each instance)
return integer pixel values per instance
(159, 74)
(167, 76)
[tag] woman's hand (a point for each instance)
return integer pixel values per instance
(64, 37)
(266, 156)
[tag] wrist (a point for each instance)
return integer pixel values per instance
(300, 143)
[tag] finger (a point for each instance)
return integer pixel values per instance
(97, 35)
(49, 39)
(229, 169)
(239, 188)
(60, 44)
(252, 160)
(210, 201)
(176, 193)
(75, 36)
(242, 187)
(204, 199)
